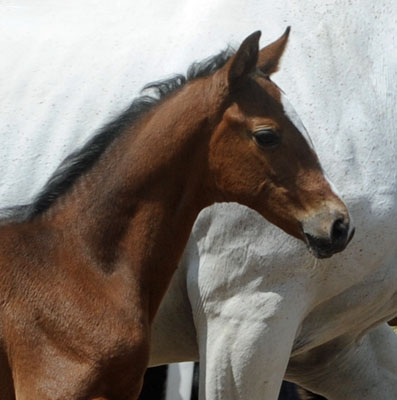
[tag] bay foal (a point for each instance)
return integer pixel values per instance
(85, 266)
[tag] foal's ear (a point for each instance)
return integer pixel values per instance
(269, 57)
(244, 61)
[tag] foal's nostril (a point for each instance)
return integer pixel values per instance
(325, 236)
(339, 231)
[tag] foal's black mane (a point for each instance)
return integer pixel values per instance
(80, 161)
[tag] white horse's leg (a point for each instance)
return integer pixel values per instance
(246, 312)
(363, 370)
(243, 355)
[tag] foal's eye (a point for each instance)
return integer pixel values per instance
(267, 138)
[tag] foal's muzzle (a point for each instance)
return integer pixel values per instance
(327, 235)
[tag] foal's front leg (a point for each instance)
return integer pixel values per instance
(51, 372)
(75, 386)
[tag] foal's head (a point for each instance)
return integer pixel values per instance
(260, 154)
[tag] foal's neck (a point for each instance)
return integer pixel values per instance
(137, 205)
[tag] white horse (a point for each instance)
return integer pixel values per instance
(268, 308)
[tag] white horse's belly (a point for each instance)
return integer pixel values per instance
(353, 312)
(173, 337)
